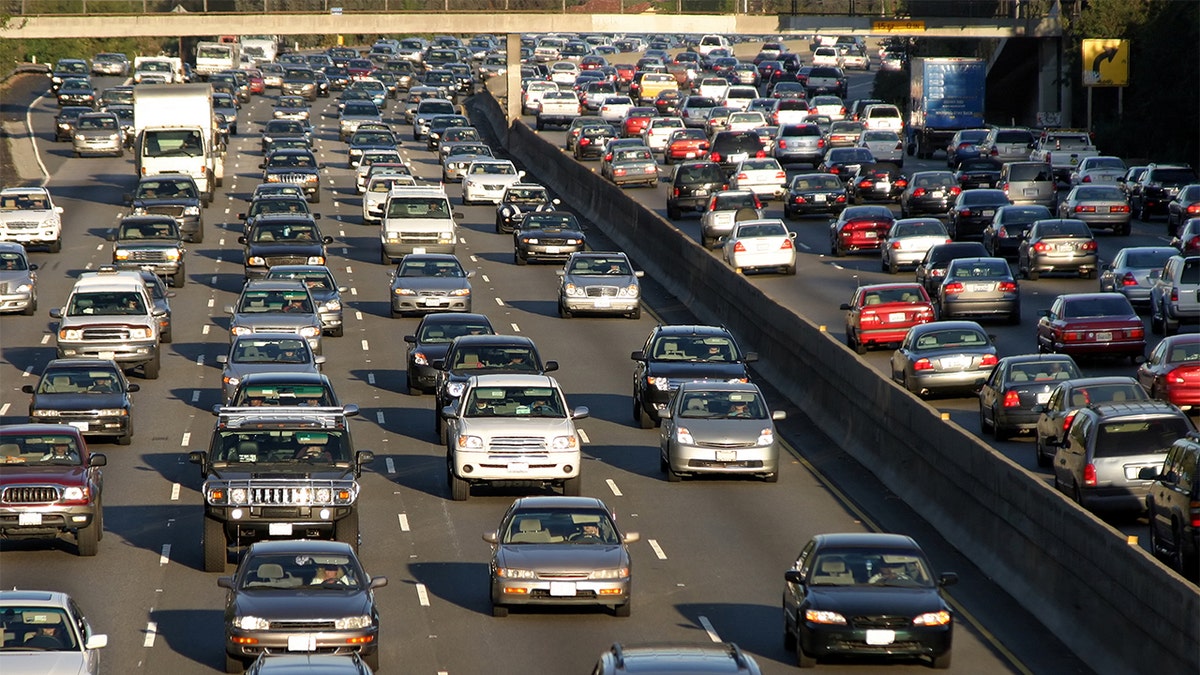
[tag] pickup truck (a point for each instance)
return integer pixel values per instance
(558, 107)
(826, 80)
(1063, 150)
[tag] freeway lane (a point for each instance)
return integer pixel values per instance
(712, 555)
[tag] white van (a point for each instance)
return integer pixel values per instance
(417, 219)
(883, 116)
(711, 42)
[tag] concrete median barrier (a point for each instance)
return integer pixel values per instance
(1115, 606)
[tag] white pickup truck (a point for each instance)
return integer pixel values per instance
(558, 107)
(1063, 150)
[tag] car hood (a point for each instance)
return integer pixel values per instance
(275, 319)
(300, 603)
(724, 429)
(26, 216)
(284, 471)
(40, 663)
(185, 201)
(305, 248)
(434, 350)
(241, 370)
(144, 245)
(698, 370)
(430, 283)
(14, 277)
(561, 557)
(875, 600)
(36, 473)
(78, 401)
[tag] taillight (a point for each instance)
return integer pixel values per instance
(716, 157)
(895, 246)
(901, 183)
(1175, 294)
(585, 141)
(608, 157)
(743, 176)
(786, 246)
(1087, 179)
(820, 142)
(1123, 208)
(995, 152)
(1004, 186)
(1012, 399)
(989, 360)
(781, 175)
(1080, 208)
(964, 212)
(1071, 416)
(1008, 287)
(899, 145)
(1129, 279)
(676, 192)
(834, 170)
(866, 183)
(781, 143)
(919, 192)
(739, 247)
(1193, 208)
(954, 190)
(1041, 246)
(760, 154)
(923, 364)
(952, 288)
(1088, 246)
(1089, 475)
(1194, 512)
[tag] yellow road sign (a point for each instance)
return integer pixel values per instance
(906, 26)
(1105, 62)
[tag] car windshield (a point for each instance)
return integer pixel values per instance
(525, 196)
(1148, 259)
(1107, 393)
(694, 348)
(107, 303)
(289, 160)
(861, 567)
(830, 182)
(104, 122)
(1100, 193)
(733, 202)
(290, 571)
(270, 351)
(560, 526)
(444, 333)
(418, 207)
(599, 266)
(430, 268)
(38, 629)
(167, 143)
(263, 302)
(315, 280)
(925, 228)
(950, 339)
(978, 270)
(746, 231)
(80, 380)
(163, 189)
(288, 205)
(723, 404)
(881, 296)
(279, 445)
(1139, 437)
(155, 230)
(281, 232)
(1087, 308)
(496, 169)
(514, 402)
(481, 358)
(12, 262)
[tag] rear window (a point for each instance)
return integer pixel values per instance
(1015, 136)
(1029, 172)
(1140, 437)
(883, 111)
(1173, 176)
(1094, 307)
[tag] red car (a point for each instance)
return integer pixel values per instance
(1172, 373)
(636, 120)
(624, 73)
(255, 78)
(881, 314)
(860, 228)
(1092, 324)
(686, 144)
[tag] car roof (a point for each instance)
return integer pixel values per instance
(688, 329)
(17, 429)
(429, 257)
(1037, 358)
(80, 363)
(866, 540)
(12, 247)
(312, 546)
(293, 377)
(711, 385)
(513, 380)
(947, 325)
(444, 318)
(558, 502)
(274, 285)
(33, 598)
(492, 341)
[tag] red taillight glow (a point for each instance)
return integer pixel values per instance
(786, 245)
(743, 176)
(1042, 246)
(989, 360)
(923, 364)
(953, 288)
(919, 192)
(1088, 246)
(1081, 208)
(739, 247)
(1071, 416)
(954, 190)
(1129, 279)
(1089, 475)
(1008, 287)
(1012, 399)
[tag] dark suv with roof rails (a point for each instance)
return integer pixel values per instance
(692, 185)
(1173, 506)
(683, 353)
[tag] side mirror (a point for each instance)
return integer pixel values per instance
(97, 459)
(56, 314)
(241, 216)
(28, 389)
(630, 537)
(127, 197)
(438, 364)
(581, 412)
(112, 236)
(779, 415)
(364, 457)
(378, 582)
(241, 240)
(350, 410)
(1148, 473)
(639, 355)
(319, 360)
(470, 273)
(133, 387)
(491, 537)
(793, 577)
(33, 267)
(315, 216)
(229, 309)
(327, 239)
(751, 357)
(448, 411)
(96, 642)
(561, 273)
(639, 273)
(222, 358)
(549, 366)
(948, 579)
(225, 582)
(410, 339)
(845, 307)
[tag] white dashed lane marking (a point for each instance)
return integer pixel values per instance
(27, 372)
(485, 278)
(379, 417)
(175, 492)
(204, 329)
(515, 327)
(4, 409)
(365, 347)
(45, 339)
(708, 628)
(423, 595)
(403, 518)
(196, 396)
(151, 633)
(612, 485)
(187, 438)
(657, 549)
(370, 378)
(499, 302)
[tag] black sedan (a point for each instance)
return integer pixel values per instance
(843, 162)
(868, 594)
(929, 193)
(814, 193)
(932, 268)
(518, 201)
(1002, 237)
(547, 235)
(88, 394)
(979, 287)
(981, 172)
(1008, 400)
(430, 342)
(972, 211)
(592, 140)
(282, 240)
(876, 182)
(300, 595)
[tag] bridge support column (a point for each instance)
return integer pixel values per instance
(513, 77)
(1053, 83)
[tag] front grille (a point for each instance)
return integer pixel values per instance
(553, 241)
(276, 329)
(278, 512)
(711, 464)
(517, 443)
(726, 444)
(106, 333)
(882, 621)
(422, 237)
(274, 260)
(433, 294)
(30, 494)
(303, 626)
(164, 210)
(148, 256)
(293, 177)
(601, 291)
(22, 225)
(544, 593)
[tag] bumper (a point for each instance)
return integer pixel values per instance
(32, 237)
(697, 203)
(88, 425)
(162, 269)
(883, 336)
(805, 157)
(397, 249)
(767, 191)
(824, 640)
(546, 592)
(690, 459)
(1017, 418)
(981, 308)
(128, 354)
(543, 252)
(749, 261)
(248, 644)
(416, 303)
(422, 376)
(1063, 264)
(1113, 222)
(547, 467)
(116, 146)
(1114, 348)
(603, 305)
(917, 207)
(283, 523)
(15, 302)
(46, 521)
(811, 208)
(331, 319)
(906, 258)
(970, 380)
(480, 193)
(1114, 498)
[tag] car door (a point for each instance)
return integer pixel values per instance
(1072, 454)
(793, 594)
(1149, 372)
(1046, 328)
(1050, 421)
(990, 392)
(668, 423)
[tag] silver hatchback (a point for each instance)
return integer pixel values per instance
(719, 427)
(18, 281)
(98, 134)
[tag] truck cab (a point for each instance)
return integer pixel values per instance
(110, 315)
(417, 219)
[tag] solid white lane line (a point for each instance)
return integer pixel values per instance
(187, 438)
(708, 628)
(403, 518)
(583, 436)
(379, 416)
(45, 338)
(175, 492)
(151, 632)
(515, 327)
(365, 347)
(499, 302)
(164, 558)
(196, 396)
(657, 549)
(612, 485)
(423, 595)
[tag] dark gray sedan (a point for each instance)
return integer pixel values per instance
(633, 165)
(430, 282)
(1059, 245)
(559, 551)
(265, 353)
(719, 427)
(979, 287)
(1009, 398)
(300, 596)
(1133, 270)
(91, 395)
(944, 356)
(323, 289)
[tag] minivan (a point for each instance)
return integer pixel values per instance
(1029, 183)
(1007, 145)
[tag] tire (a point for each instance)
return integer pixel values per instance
(1156, 322)
(789, 639)
(640, 416)
(56, 247)
(126, 439)
(87, 539)
(499, 611)
(636, 313)
(317, 196)
(346, 530)
(673, 212)
(384, 259)
(540, 125)
(234, 664)
(572, 487)
(179, 278)
(984, 426)
(153, 366)
(519, 259)
(892, 267)
(623, 610)
(460, 490)
(1143, 213)
(1033, 274)
(338, 332)
(215, 547)
(860, 347)
(771, 477)
(198, 238)
(707, 242)
(31, 308)
(1039, 453)
(564, 312)
(372, 661)
(941, 661)
(673, 477)
(1001, 433)
(803, 659)
(836, 250)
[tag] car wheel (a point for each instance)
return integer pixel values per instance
(127, 438)
(984, 426)
(1077, 494)
(87, 539)
(636, 313)
(372, 661)
(1087, 274)
(499, 610)
(1014, 318)
(640, 415)
(1126, 228)
(460, 490)
(1156, 322)
(789, 270)
(673, 212)
(1033, 274)
(708, 242)
(859, 346)
(338, 331)
(179, 278)
(803, 659)
(1001, 432)
(234, 664)
(1143, 213)
(673, 477)
(1039, 452)
(564, 312)
(215, 547)
(772, 477)
(150, 370)
(31, 308)
(942, 661)
(56, 246)
(346, 530)
(520, 259)
(623, 610)
(572, 487)
(789, 637)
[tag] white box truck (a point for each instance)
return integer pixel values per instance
(214, 57)
(175, 130)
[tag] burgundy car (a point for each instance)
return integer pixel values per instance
(860, 228)
(1092, 324)
(1172, 373)
(881, 314)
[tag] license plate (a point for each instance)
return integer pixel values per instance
(107, 355)
(937, 194)
(82, 426)
(896, 317)
(604, 302)
(432, 302)
(280, 529)
(552, 249)
(762, 248)
(518, 467)
(1104, 337)
(562, 589)
(691, 155)
(1030, 192)
(880, 637)
(956, 362)
(419, 250)
(871, 235)
(981, 288)
(1043, 397)
(989, 212)
(820, 199)
(727, 455)
(29, 519)
(302, 643)
(737, 157)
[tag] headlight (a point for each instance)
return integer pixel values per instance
(563, 443)
(510, 573)
(256, 260)
(404, 291)
(352, 622)
(310, 331)
(172, 254)
(660, 383)
(446, 237)
(140, 333)
(324, 495)
(70, 334)
(682, 435)
(932, 619)
(80, 137)
(138, 211)
(240, 330)
(333, 305)
(619, 573)
(470, 442)
(316, 260)
(419, 359)
(574, 291)
(455, 388)
(121, 254)
(237, 496)
(24, 288)
(113, 137)
(112, 412)
(74, 494)
(191, 210)
(231, 381)
(818, 616)
(251, 623)
(529, 241)
(460, 292)
(45, 413)
(630, 291)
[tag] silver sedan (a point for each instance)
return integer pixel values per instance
(602, 283)
(430, 282)
(1133, 270)
(265, 353)
(1100, 206)
(944, 356)
(719, 427)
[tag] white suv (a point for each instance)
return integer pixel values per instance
(110, 315)
(28, 216)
